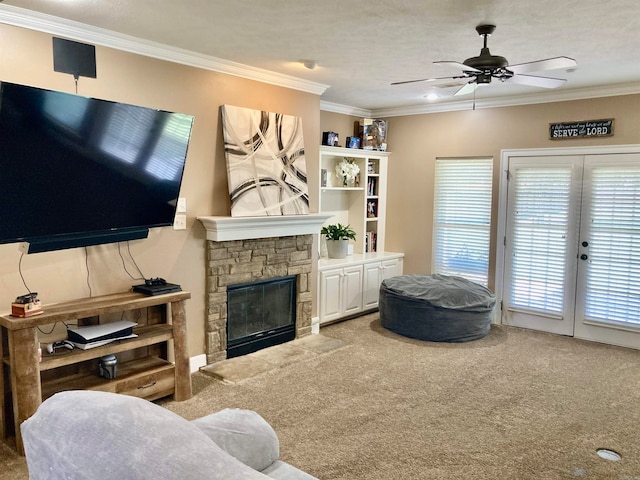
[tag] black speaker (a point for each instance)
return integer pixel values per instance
(78, 59)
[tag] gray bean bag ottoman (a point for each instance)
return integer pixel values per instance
(437, 308)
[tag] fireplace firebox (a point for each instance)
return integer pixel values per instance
(260, 314)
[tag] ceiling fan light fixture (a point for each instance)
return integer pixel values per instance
(481, 70)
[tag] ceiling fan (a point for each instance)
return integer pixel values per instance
(485, 67)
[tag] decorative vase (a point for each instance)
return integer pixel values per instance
(345, 183)
(337, 248)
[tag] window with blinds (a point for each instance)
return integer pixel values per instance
(613, 275)
(462, 218)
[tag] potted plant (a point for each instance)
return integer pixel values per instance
(337, 237)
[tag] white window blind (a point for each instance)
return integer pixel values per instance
(462, 218)
(613, 278)
(539, 238)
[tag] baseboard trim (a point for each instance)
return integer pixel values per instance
(196, 362)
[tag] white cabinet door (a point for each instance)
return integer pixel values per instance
(391, 268)
(372, 279)
(330, 305)
(352, 290)
(374, 274)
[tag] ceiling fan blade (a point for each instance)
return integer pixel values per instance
(466, 89)
(531, 80)
(461, 66)
(411, 81)
(541, 65)
(425, 80)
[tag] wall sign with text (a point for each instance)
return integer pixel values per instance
(588, 128)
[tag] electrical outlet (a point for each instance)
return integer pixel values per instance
(181, 207)
(180, 222)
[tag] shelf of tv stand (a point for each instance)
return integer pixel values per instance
(147, 335)
(149, 377)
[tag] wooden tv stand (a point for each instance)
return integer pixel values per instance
(144, 369)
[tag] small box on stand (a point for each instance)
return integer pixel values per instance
(26, 305)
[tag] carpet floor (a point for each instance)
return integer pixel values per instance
(516, 404)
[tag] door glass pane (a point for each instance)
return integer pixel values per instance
(613, 273)
(539, 243)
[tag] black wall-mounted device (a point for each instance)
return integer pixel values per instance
(78, 59)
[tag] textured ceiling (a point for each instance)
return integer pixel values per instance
(361, 47)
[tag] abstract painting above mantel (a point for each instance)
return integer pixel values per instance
(266, 168)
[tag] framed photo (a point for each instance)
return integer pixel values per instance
(372, 208)
(330, 139)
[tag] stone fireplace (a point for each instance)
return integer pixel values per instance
(247, 249)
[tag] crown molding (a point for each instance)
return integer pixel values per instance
(545, 97)
(467, 103)
(345, 109)
(29, 19)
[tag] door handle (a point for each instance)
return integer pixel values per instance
(585, 244)
(584, 256)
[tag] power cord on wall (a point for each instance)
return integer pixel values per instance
(24, 282)
(124, 265)
(86, 263)
(22, 276)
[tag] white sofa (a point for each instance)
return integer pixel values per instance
(98, 436)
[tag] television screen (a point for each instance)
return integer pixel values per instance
(76, 167)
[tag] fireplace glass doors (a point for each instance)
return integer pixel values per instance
(260, 314)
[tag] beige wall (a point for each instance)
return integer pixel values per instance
(178, 256)
(416, 141)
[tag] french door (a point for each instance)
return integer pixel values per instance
(572, 246)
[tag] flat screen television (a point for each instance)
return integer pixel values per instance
(77, 171)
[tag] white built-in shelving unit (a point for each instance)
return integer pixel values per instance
(350, 286)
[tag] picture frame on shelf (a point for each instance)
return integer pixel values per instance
(353, 142)
(330, 139)
(372, 208)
